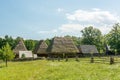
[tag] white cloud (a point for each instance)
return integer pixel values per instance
(101, 19)
(93, 16)
(74, 29)
(105, 28)
(71, 28)
(96, 9)
(79, 19)
(60, 10)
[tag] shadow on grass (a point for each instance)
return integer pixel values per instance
(2, 66)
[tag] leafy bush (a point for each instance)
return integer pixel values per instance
(23, 55)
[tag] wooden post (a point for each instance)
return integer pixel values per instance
(111, 60)
(63, 55)
(92, 60)
(53, 58)
(77, 58)
(6, 62)
(48, 58)
(58, 58)
(66, 58)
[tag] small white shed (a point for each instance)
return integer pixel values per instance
(35, 55)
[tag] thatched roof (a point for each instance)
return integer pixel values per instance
(63, 45)
(20, 47)
(41, 48)
(88, 49)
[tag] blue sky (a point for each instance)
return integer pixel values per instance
(41, 19)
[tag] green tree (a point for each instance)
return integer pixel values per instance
(91, 36)
(48, 41)
(76, 40)
(6, 53)
(10, 40)
(23, 55)
(113, 37)
(1, 42)
(30, 44)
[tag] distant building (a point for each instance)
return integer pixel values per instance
(41, 49)
(88, 49)
(19, 47)
(63, 45)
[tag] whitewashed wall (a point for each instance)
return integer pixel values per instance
(27, 54)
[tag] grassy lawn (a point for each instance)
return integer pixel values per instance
(48, 70)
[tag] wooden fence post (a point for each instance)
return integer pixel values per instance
(66, 58)
(92, 60)
(77, 58)
(53, 58)
(58, 58)
(111, 60)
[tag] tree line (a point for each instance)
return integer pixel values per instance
(89, 36)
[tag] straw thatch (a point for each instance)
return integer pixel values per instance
(20, 47)
(41, 48)
(63, 45)
(85, 49)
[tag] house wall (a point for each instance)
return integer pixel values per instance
(27, 54)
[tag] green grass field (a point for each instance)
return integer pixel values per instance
(48, 70)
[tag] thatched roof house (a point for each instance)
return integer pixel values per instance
(63, 45)
(85, 49)
(20, 47)
(41, 48)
